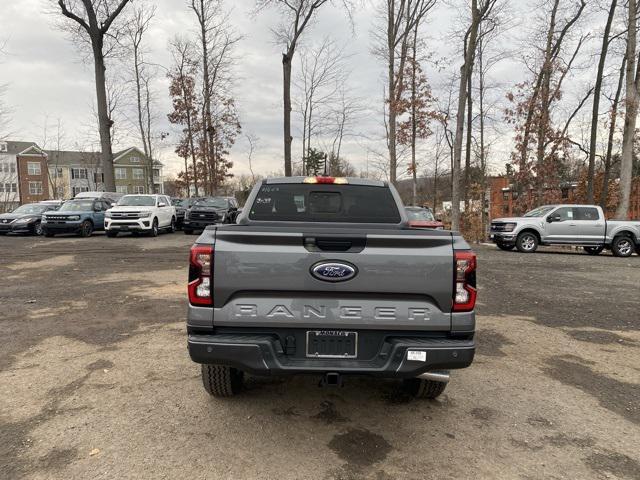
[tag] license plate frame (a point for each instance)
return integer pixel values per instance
(339, 335)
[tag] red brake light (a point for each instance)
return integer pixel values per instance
(465, 293)
(327, 180)
(200, 275)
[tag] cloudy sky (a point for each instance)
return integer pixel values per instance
(47, 79)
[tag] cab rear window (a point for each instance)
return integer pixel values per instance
(324, 203)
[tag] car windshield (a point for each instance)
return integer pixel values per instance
(176, 202)
(34, 209)
(136, 201)
(84, 206)
(420, 215)
(539, 212)
(211, 202)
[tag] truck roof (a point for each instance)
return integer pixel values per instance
(344, 180)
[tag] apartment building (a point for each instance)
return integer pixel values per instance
(131, 169)
(10, 188)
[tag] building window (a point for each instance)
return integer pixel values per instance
(14, 188)
(98, 177)
(122, 189)
(139, 189)
(33, 168)
(56, 172)
(121, 173)
(505, 196)
(77, 190)
(12, 167)
(59, 191)
(79, 173)
(156, 172)
(3, 147)
(138, 173)
(135, 159)
(35, 188)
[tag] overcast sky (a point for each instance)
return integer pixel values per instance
(47, 78)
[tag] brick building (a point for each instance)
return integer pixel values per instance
(33, 175)
(503, 198)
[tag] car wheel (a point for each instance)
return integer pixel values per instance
(154, 228)
(187, 231)
(172, 227)
(622, 247)
(86, 229)
(112, 233)
(594, 250)
(37, 229)
(505, 247)
(527, 242)
(421, 388)
(221, 381)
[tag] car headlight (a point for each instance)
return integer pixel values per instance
(25, 220)
(144, 214)
(107, 214)
(44, 219)
(509, 227)
(74, 217)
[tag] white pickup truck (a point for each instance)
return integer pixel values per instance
(580, 225)
(140, 214)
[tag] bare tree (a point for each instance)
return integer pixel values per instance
(480, 10)
(400, 18)
(297, 14)
(143, 74)
(632, 98)
(96, 19)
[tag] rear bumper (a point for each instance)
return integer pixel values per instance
(264, 355)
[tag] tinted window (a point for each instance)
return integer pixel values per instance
(324, 203)
(77, 206)
(211, 202)
(137, 201)
(420, 214)
(32, 208)
(586, 213)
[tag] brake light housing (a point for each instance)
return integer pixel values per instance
(465, 291)
(201, 276)
(326, 180)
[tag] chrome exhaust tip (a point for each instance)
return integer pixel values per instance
(443, 377)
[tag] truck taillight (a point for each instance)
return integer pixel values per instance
(464, 296)
(326, 180)
(200, 274)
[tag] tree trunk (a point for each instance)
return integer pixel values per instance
(626, 169)
(612, 132)
(392, 127)
(414, 126)
(465, 72)
(104, 121)
(467, 157)
(286, 85)
(596, 102)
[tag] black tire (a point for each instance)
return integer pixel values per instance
(112, 233)
(172, 226)
(220, 381)
(527, 242)
(622, 246)
(420, 388)
(37, 229)
(86, 229)
(154, 228)
(187, 231)
(638, 249)
(504, 247)
(593, 250)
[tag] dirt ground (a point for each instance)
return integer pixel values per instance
(96, 382)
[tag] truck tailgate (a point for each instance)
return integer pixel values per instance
(262, 277)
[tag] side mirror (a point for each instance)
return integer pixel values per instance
(553, 218)
(162, 204)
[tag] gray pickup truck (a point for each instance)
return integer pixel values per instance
(324, 276)
(579, 225)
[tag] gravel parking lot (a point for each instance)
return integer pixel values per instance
(95, 380)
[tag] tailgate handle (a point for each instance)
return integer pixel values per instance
(334, 244)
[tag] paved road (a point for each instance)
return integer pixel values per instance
(95, 381)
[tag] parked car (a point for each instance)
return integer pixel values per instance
(209, 211)
(182, 207)
(325, 276)
(141, 214)
(113, 197)
(581, 225)
(82, 216)
(25, 219)
(423, 218)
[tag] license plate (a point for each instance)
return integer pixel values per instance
(124, 227)
(332, 344)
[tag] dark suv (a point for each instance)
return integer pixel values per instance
(81, 216)
(209, 211)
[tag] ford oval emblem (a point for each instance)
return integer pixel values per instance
(334, 271)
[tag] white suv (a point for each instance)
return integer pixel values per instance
(140, 213)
